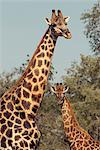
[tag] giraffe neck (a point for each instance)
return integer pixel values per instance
(30, 88)
(76, 135)
(44, 51)
(39, 66)
(71, 126)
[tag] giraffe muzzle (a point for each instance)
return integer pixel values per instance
(67, 35)
(60, 101)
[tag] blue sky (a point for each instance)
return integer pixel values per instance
(23, 25)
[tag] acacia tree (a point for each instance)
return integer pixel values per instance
(91, 20)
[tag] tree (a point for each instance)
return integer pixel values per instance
(92, 28)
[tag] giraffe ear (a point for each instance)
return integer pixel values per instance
(66, 89)
(66, 19)
(53, 89)
(48, 21)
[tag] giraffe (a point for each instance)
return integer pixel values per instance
(78, 138)
(19, 105)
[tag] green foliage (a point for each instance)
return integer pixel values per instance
(92, 28)
(84, 82)
(51, 74)
(7, 80)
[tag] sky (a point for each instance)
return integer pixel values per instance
(22, 25)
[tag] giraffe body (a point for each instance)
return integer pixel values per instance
(79, 139)
(19, 105)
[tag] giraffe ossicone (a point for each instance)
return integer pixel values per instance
(79, 138)
(19, 104)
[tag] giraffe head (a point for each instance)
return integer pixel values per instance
(59, 90)
(58, 24)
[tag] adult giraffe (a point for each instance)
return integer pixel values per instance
(77, 136)
(19, 105)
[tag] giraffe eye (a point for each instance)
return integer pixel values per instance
(62, 30)
(53, 25)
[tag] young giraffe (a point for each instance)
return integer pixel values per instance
(77, 136)
(20, 104)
